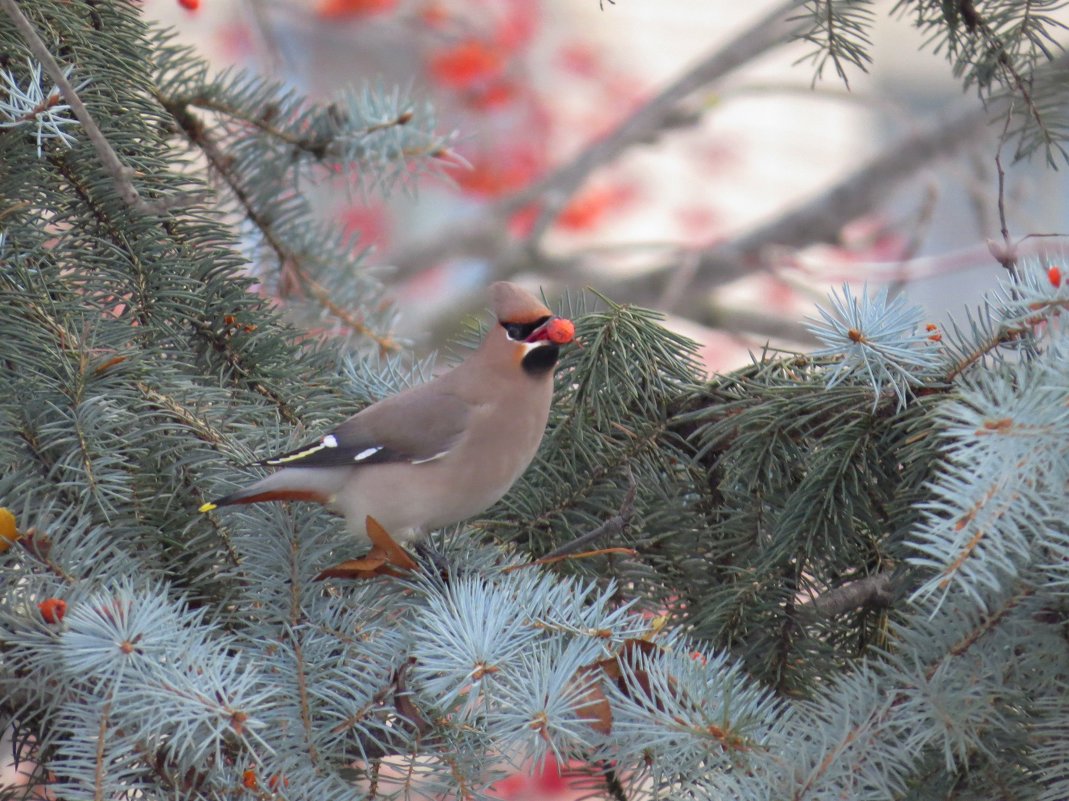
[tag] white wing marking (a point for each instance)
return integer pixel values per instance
(438, 455)
(366, 453)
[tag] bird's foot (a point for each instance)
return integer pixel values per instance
(386, 558)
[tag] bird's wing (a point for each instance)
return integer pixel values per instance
(416, 426)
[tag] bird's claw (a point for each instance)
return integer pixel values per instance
(386, 558)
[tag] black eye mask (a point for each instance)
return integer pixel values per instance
(520, 332)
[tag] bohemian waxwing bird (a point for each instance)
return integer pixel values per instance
(439, 452)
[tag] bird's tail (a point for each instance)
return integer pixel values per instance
(285, 485)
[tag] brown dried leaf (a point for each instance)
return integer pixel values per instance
(387, 546)
(594, 706)
(628, 651)
(403, 702)
(363, 568)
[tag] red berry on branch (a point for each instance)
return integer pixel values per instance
(1054, 275)
(189, 5)
(52, 609)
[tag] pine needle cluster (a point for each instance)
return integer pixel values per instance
(822, 576)
(997, 48)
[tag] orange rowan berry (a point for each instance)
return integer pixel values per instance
(9, 533)
(52, 609)
(560, 331)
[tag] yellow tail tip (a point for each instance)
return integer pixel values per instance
(207, 507)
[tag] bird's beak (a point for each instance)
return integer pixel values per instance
(540, 333)
(558, 330)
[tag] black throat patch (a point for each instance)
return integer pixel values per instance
(541, 360)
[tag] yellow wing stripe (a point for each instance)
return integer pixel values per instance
(327, 442)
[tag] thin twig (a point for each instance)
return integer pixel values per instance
(233, 360)
(986, 625)
(98, 773)
(679, 283)
(13, 209)
(38, 545)
(615, 525)
(269, 46)
(1007, 256)
(918, 231)
(1004, 335)
(118, 171)
(1009, 253)
(1007, 67)
(1004, 228)
(978, 353)
(551, 560)
(298, 654)
(317, 148)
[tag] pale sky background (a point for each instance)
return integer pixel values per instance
(783, 141)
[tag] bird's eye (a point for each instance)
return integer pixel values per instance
(519, 332)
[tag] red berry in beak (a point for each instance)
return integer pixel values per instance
(560, 330)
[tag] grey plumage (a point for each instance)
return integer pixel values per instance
(439, 452)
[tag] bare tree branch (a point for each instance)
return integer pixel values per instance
(818, 219)
(821, 218)
(118, 171)
(485, 235)
(776, 28)
(754, 325)
(874, 590)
